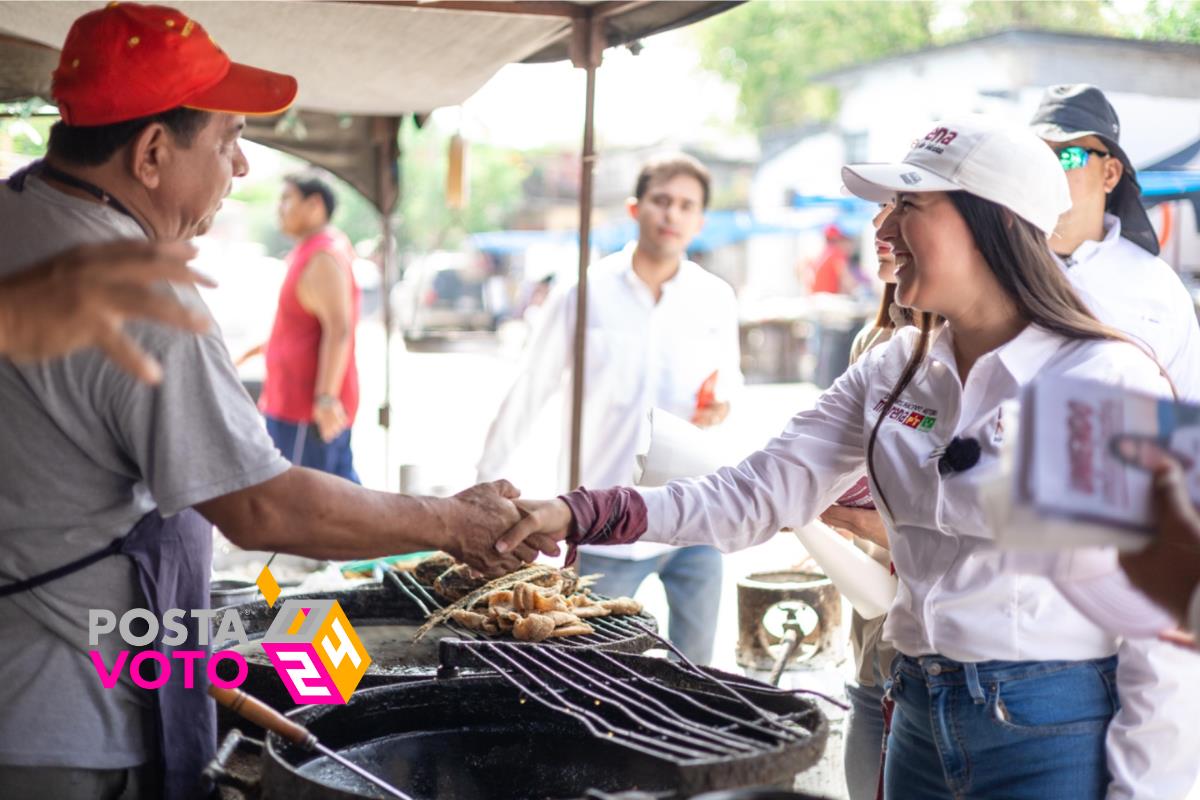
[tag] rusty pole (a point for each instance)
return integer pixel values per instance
(587, 48)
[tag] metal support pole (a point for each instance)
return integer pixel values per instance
(385, 134)
(587, 49)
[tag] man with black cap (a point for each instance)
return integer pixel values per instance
(1110, 252)
(1106, 241)
(103, 474)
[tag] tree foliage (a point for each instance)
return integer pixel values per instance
(989, 16)
(1172, 22)
(770, 49)
(494, 174)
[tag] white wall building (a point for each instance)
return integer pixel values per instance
(1154, 86)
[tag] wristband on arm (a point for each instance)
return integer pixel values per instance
(609, 516)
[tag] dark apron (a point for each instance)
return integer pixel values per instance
(173, 559)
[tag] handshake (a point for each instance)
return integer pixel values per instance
(492, 530)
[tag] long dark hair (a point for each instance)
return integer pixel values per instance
(883, 317)
(1018, 257)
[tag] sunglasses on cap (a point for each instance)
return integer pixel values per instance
(1076, 156)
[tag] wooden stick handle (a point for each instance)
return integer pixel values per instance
(262, 715)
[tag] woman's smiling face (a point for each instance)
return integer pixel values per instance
(938, 267)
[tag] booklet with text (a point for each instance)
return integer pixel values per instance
(1084, 463)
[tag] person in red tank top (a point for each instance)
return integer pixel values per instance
(310, 394)
(830, 272)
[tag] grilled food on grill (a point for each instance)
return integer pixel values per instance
(457, 581)
(532, 604)
(427, 570)
(533, 628)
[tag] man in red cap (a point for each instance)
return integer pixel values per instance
(103, 471)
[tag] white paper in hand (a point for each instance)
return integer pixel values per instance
(866, 583)
(675, 448)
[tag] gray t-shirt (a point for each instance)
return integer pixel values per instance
(85, 452)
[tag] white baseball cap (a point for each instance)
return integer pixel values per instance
(979, 155)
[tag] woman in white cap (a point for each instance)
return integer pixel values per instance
(1002, 687)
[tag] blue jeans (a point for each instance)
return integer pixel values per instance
(1019, 730)
(692, 578)
(304, 447)
(864, 739)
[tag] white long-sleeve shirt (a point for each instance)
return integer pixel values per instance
(959, 595)
(640, 355)
(1154, 744)
(1139, 294)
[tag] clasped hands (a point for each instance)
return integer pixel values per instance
(492, 530)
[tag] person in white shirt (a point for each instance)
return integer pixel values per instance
(1109, 250)
(1106, 242)
(1002, 687)
(658, 328)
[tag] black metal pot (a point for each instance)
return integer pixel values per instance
(228, 592)
(480, 738)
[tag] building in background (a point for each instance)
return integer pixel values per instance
(1154, 86)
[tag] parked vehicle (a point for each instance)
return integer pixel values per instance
(443, 292)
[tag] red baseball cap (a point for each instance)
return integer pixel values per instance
(129, 60)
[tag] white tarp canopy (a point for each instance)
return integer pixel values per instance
(349, 58)
(377, 58)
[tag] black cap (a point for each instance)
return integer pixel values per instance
(1074, 110)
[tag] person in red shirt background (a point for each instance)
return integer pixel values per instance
(831, 271)
(310, 393)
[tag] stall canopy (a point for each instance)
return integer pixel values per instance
(357, 60)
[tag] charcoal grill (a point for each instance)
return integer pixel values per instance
(554, 723)
(386, 615)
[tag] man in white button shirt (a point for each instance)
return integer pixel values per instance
(658, 327)
(1110, 252)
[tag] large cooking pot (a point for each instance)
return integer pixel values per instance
(480, 738)
(230, 592)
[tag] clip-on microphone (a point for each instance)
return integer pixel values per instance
(958, 456)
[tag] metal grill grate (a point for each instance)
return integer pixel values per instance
(624, 633)
(711, 719)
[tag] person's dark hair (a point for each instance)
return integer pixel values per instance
(668, 167)
(308, 185)
(1019, 258)
(883, 317)
(91, 146)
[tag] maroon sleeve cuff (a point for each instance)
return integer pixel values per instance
(609, 516)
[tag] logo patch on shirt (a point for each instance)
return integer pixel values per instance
(910, 415)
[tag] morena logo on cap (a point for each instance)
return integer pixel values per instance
(936, 141)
